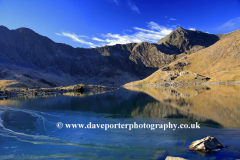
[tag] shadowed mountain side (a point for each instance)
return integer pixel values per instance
(218, 103)
(25, 49)
(152, 55)
(12, 76)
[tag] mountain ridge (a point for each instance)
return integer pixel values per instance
(219, 62)
(177, 44)
(25, 49)
(188, 41)
(43, 60)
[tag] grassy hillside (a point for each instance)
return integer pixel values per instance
(219, 62)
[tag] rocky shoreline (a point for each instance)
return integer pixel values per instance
(182, 84)
(38, 92)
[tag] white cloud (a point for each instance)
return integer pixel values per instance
(97, 39)
(192, 29)
(126, 31)
(153, 33)
(116, 1)
(161, 29)
(129, 4)
(231, 25)
(145, 30)
(83, 36)
(133, 7)
(76, 38)
(172, 19)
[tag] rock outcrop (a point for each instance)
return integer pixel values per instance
(174, 158)
(188, 41)
(174, 46)
(152, 55)
(206, 144)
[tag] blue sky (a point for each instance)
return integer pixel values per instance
(95, 23)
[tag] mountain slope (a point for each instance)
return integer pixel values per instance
(29, 59)
(219, 62)
(172, 47)
(188, 41)
(27, 56)
(152, 55)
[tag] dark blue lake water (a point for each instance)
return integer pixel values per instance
(28, 125)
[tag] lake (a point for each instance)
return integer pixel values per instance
(36, 128)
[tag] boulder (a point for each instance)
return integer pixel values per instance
(183, 73)
(206, 144)
(166, 68)
(174, 158)
(180, 64)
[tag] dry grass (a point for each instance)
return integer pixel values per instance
(12, 77)
(219, 62)
(187, 78)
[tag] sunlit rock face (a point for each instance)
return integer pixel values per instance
(206, 144)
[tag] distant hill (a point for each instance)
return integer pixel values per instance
(218, 62)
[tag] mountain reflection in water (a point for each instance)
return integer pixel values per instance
(216, 106)
(219, 104)
(28, 125)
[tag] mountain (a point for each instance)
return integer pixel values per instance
(172, 47)
(152, 55)
(28, 59)
(188, 41)
(216, 63)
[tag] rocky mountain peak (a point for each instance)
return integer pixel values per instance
(187, 41)
(179, 29)
(24, 30)
(3, 27)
